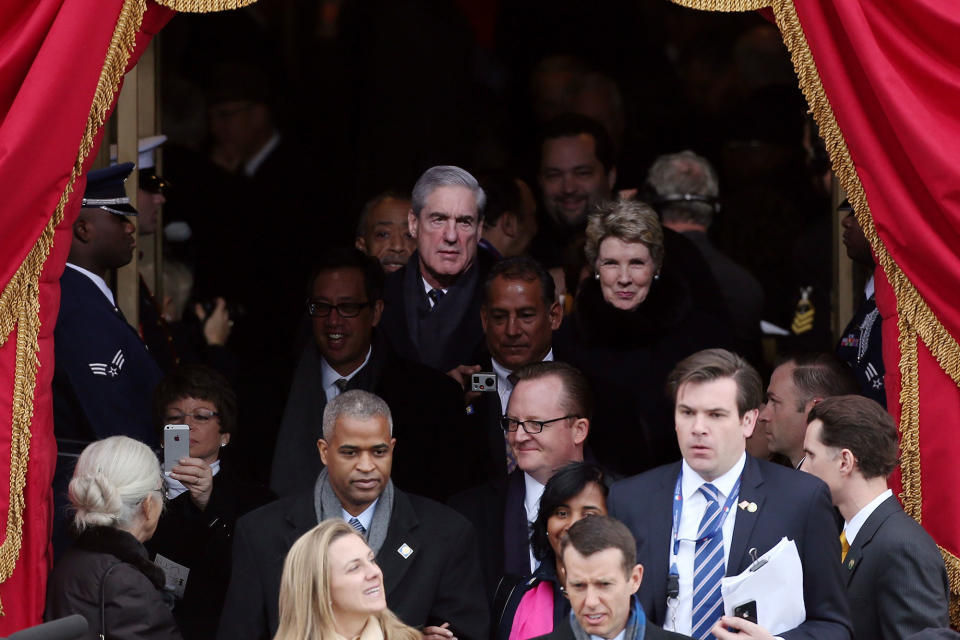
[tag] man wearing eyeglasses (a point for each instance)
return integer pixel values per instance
(345, 304)
(546, 422)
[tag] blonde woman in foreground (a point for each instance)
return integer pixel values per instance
(332, 589)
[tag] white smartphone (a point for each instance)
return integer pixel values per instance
(176, 445)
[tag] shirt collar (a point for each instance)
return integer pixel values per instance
(427, 288)
(97, 280)
(254, 163)
(503, 373)
(365, 518)
(869, 289)
(330, 376)
(619, 636)
(856, 523)
(533, 491)
(692, 481)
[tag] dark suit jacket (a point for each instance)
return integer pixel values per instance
(496, 511)
(404, 298)
(440, 582)
(202, 541)
(653, 632)
(790, 503)
(429, 424)
(896, 581)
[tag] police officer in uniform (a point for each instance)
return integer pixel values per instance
(104, 376)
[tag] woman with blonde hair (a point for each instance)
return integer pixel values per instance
(106, 576)
(332, 589)
(634, 320)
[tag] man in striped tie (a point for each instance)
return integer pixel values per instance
(711, 514)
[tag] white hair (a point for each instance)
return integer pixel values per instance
(446, 176)
(112, 478)
(358, 404)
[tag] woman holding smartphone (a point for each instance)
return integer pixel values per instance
(206, 497)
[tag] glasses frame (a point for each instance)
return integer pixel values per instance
(338, 307)
(507, 421)
(200, 418)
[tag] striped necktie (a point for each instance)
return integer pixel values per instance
(708, 569)
(356, 524)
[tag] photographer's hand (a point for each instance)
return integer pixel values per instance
(196, 476)
(218, 325)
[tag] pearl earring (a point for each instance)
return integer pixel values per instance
(596, 276)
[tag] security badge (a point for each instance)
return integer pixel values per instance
(405, 550)
(748, 506)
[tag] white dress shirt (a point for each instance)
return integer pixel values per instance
(97, 280)
(330, 377)
(533, 491)
(852, 528)
(365, 518)
(679, 617)
(504, 386)
(427, 288)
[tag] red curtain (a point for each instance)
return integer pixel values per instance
(882, 78)
(891, 72)
(51, 56)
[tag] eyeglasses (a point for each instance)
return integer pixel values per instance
(200, 416)
(529, 426)
(345, 309)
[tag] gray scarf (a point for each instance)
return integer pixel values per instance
(328, 505)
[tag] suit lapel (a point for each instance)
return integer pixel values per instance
(403, 543)
(865, 535)
(659, 541)
(751, 492)
(301, 516)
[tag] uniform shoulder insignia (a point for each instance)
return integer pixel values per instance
(110, 369)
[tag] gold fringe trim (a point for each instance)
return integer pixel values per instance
(915, 318)
(204, 6)
(20, 299)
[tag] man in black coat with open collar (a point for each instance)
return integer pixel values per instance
(432, 305)
(428, 553)
(345, 302)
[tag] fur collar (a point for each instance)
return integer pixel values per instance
(122, 546)
(598, 323)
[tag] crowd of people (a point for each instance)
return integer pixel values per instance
(498, 427)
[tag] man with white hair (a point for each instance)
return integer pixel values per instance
(428, 552)
(432, 305)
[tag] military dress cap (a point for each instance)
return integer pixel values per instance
(105, 190)
(149, 180)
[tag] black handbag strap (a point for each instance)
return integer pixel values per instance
(103, 589)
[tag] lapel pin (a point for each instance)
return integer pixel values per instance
(405, 550)
(850, 564)
(752, 507)
(743, 504)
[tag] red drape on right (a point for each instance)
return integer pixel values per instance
(891, 71)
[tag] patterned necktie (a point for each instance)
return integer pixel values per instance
(708, 569)
(341, 385)
(844, 546)
(355, 523)
(435, 295)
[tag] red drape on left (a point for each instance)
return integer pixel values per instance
(51, 55)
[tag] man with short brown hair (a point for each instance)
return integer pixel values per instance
(895, 577)
(727, 508)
